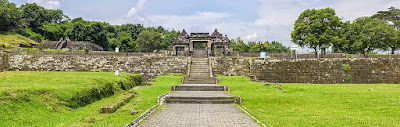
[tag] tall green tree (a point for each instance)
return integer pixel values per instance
(238, 45)
(392, 17)
(9, 15)
(126, 44)
(366, 34)
(148, 41)
(315, 28)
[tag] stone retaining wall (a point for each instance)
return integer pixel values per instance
(312, 56)
(3, 61)
(366, 70)
(145, 65)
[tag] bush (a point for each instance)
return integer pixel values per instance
(87, 50)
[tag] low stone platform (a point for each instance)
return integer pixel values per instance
(199, 94)
(200, 97)
(199, 115)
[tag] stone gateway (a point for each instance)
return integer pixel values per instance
(201, 44)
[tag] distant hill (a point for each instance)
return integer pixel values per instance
(12, 40)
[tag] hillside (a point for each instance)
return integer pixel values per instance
(12, 40)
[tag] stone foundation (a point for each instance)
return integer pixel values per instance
(365, 70)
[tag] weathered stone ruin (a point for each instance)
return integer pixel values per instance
(216, 44)
(68, 44)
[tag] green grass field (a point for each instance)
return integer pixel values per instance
(45, 92)
(319, 104)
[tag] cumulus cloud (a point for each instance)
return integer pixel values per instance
(49, 4)
(196, 21)
(250, 36)
(134, 15)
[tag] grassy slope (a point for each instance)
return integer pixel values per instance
(43, 109)
(144, 100)
(319, 104)
(45, 91)
(10, 40)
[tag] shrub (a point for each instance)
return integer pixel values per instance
(87, 50)
(346, 67)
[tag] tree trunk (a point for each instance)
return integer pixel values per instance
(316, 52)
(393, 50)
(365, 53)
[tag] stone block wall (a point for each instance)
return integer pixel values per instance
(3, 61)
(148, 66)
(365, 70)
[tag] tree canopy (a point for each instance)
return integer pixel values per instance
(9, 15)
(366, 34)
(315, 28)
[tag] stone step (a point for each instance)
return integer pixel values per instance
(200, 101)
(200, 87)
(202, 80)
(199, 75)
(200, 60)
(199, 68)
(200, 71)
(200, 64)
(200, 97)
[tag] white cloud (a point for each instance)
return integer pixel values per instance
(196, 21)
(49, 4)
(133, 15)
(350, 10)
(250, 36)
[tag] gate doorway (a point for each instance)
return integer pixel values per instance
(200, 49)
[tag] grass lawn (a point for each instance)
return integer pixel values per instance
(318, 104)
(43, 104)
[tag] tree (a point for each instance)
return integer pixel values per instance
(315, 28)
(238, 45)
(126, 44)
(392, 17)
(9, 15)
(148, 41)
(366, 34)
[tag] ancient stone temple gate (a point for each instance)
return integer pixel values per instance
(214, 45)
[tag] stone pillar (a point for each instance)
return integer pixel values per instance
(174, 50)
(186, 51)
(191, 46)
(3, 61)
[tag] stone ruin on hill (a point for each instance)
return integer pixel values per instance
(68, 44)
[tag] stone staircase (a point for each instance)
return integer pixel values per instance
(200, 68)
(199, 87)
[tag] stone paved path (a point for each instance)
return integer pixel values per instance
(199, 115)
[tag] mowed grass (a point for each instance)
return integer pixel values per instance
(44, 107)
(318, 104)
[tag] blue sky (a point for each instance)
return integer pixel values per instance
(252, 20)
